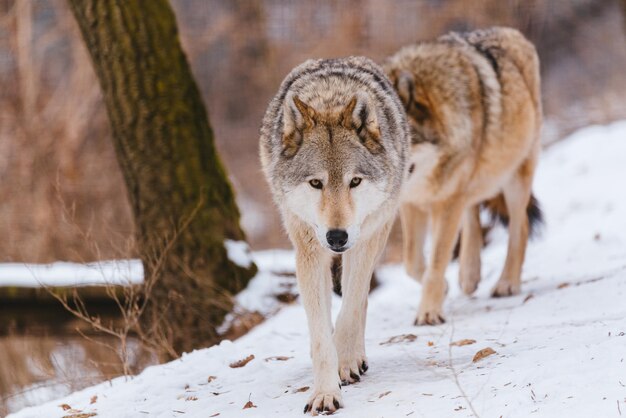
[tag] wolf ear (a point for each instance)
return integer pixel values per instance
(360, 115)
(405, 85)
(298, 116)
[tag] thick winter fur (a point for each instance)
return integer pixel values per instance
(334, 144)
(474, 106)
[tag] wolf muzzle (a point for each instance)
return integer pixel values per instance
(337, 239)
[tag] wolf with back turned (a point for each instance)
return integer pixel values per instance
(333, 147)
(474, 105)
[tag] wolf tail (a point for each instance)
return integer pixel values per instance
(496, 207)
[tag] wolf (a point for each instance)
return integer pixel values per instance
(333, 145)
(474, 107)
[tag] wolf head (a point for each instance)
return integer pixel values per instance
(332, 167)
(421, 115)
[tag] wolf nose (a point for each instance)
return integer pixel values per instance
(336, 238)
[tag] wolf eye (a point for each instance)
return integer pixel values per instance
(355, 182)
(315, 183)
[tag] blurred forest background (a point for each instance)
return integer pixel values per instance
(61, 192)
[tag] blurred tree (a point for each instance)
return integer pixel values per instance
(183, 203)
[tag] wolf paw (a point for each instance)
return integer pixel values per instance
(415, 272)
(324, 402)
(429, 317)
(505, 288)
(469, 286)
(350, 371)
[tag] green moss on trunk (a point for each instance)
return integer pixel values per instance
(183, 204)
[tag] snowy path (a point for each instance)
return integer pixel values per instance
(560, 345)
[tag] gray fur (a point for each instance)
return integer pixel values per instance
(327, 84)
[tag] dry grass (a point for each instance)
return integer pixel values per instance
(54, 142)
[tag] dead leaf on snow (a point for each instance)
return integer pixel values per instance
(191, 398)
(65, 407)
(249, 404)
(302, 389)
(430, 343)
(214, 415)
(529, 297)
(211, 378)
(93, 399)
(278, 358)
(562, 285)
(485, 352)
(243, 362)
(463, 342)
(81, 415)
(286, 297)
(403, 338)
(384, 394)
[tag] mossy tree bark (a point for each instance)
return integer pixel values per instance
(183, 203)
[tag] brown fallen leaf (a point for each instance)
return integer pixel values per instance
(81, 415)
(485, 352)
(242, 323)
(302, 389)
(278, 358)
(384, 394)
(191, 398)
(249, 404)
(286, 297)
(211, 378)
(529, 297)
(65, 407)
(93, 399)
(214, 415)
(430, 343)
(403, 338)
(462, 342)
(243, 362)
(562, 285)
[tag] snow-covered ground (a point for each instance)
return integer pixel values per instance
(114, 272)
(559, 346)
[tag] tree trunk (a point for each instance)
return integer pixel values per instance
(183, 203)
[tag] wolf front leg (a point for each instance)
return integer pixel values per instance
(315, 284)
(446, 217)
(358, 266)
(414, 227)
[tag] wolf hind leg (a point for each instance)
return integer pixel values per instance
(471, 244)
(517, 195)
(414, 226)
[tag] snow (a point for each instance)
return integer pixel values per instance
(276, 276)
(560, 345)
(238, 252)
(114, 272)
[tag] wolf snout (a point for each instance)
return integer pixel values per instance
(337, 239)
